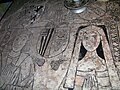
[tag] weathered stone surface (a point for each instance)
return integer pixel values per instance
(44, 46)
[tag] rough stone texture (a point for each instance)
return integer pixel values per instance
(44, 46)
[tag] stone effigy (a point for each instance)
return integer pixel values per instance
(45, 46)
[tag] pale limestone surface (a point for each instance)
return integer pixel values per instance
(44, 46)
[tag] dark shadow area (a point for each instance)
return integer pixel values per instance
(100, 51)
(82, 53)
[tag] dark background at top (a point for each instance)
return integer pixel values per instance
(4, 1)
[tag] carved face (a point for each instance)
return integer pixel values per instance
(91, 40)
(19, 42)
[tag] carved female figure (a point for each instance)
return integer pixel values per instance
(92, 72)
